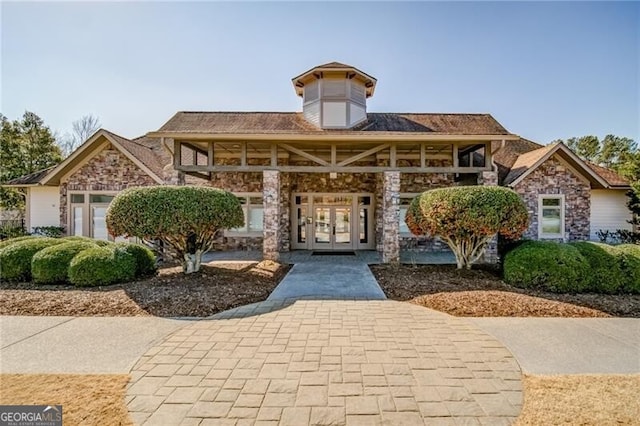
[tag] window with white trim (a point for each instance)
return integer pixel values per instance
(550, 216)
(253, 209)
(405, 202)
(87, 215)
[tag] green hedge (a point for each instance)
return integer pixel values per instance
(101, 243)
(548, 266)
(606, 273)
(6, 243)
(145, 259)
(51, 265)
(102, 266)
(629, 257)
(15, 259)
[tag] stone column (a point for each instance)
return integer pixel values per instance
(271, 224)
(491, 252)
(390, 217)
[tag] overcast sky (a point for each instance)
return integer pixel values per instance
(544, 70)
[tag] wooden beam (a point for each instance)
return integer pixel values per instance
(274, 155)
(243, 153)
(210, 155)
(487, 155)
(304, 154)
(363, 154)
(250, 155)
(428, 156)
(341, 138)
(177, 154)
(337, 169)
(423, 156)
(194, 148)
(455, 154)
(205, 176)
(333, 154)
(393, 162)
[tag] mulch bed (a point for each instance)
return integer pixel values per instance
(168, 294)
(481, 293)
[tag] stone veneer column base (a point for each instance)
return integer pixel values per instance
(271, 224)
(391, 217)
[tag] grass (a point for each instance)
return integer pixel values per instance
(87, 400)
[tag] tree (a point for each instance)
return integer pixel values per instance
(26, 146)
(616, 151)
(185, 218)
(82, 129)
(467, 218)
(587, 147)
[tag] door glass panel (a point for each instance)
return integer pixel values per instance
(551, 221)
(99, 223)
(343, 225)
(256, 216)
(77, 221)
(364, 226)
(323, 225)
(99, 198)
(302, 224)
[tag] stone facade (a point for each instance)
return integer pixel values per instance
(555, 177)
(272, 207)
(390, 217)
(108, 170)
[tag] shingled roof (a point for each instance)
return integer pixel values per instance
(30, 179)
(295, 123)
(142, 152)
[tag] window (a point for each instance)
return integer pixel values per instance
(253, 214)
(551, 216)
(405, 201)
(87, 215)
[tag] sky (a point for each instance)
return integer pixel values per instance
(544, 70)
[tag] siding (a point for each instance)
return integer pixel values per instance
(44, 206)
(608, 211)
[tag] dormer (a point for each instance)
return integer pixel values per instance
(334, 95)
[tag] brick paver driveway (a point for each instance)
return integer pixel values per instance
(327, 363)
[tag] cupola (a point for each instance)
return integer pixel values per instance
(334, 95)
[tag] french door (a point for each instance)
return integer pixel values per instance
(332, 228)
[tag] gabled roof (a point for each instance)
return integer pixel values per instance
(295, 123)
(31, 179)
(612, 178)
(527, 162)
(139, 154)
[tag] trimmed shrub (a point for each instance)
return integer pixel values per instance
(145, 259)
(185, 218)
(548, 266)
(102, 266)
(51, 265)
(100, 243)
(467, 218)
(6, 243)
(49, 231)
(15, 259)
(606, 274)
(629, 258)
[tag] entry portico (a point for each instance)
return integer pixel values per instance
(332, 177)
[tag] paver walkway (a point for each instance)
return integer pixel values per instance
(327, 362)
(329, 277)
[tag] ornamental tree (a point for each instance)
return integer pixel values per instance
(467, 218)
(185, 218)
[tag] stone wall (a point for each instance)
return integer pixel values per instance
(390, 216)
(554, 177)
(109, 170)
(272, 208)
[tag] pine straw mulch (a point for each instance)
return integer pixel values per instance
(481, 293)
(170, 293)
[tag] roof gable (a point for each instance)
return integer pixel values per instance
(526, 163)
(140, 155)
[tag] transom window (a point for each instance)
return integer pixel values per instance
(551, 216)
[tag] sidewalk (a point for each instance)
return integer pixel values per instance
(569, 345)
(86, 345)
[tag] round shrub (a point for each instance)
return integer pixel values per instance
(101, 243)
(51, 265)
(548, 266)
(606, 274)
(6, 243)
(15, 259)
(101, 266)
(629, 258)
(145, 259)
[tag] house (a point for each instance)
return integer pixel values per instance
(332, 177)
